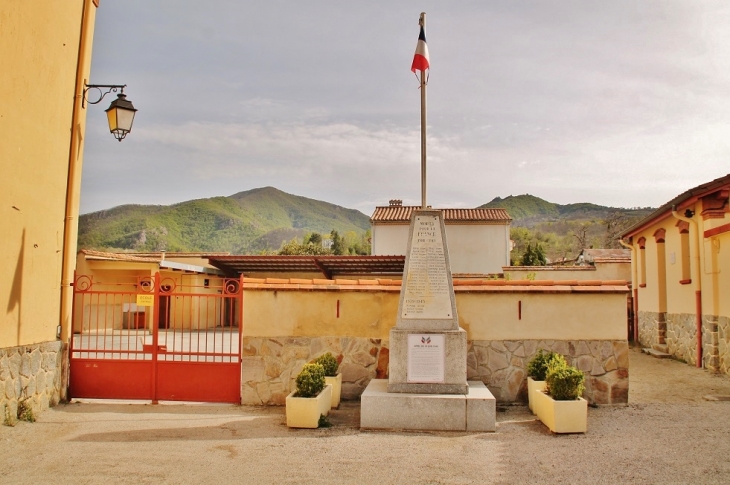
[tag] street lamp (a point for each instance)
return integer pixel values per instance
(120, 112)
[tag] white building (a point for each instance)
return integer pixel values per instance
(478, 239)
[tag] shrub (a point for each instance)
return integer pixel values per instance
(539, 366)
(329, 363)
(565, 383)
(310, 380)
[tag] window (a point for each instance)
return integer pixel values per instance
(642, 262)
(683, 227)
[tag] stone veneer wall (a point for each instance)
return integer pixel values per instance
(270, 365)
(682, 336)
(652, 328)
(32, 371)
(502, 366)
(723, 344)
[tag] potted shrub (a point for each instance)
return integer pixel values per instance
(560, 407)
(312, 398)
(331, 376)
(537, 370)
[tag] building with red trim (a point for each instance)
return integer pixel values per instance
(681, 276)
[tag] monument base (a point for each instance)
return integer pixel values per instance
(454, 365)
(475, 411)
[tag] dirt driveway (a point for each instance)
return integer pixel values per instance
(667, 434)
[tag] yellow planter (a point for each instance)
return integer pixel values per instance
(561, 416)
(532, 387)
(336, 383)
(304, 412)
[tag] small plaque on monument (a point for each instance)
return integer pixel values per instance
(426, 358)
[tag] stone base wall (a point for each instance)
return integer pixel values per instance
(648, 328)
(270, 366)
(502, 366)
(652, 328)
(710, 343)
(32, 371)
(723, 345)
(682, 336)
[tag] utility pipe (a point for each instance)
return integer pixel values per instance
(697, 281)
(635, 287)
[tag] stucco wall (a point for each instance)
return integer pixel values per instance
(288, 325)
(473, 248)
(39, 42)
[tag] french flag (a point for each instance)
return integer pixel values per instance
(420, 59)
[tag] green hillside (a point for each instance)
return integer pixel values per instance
(244, 223)
(528, 211)
(562, 231)
(523, 206)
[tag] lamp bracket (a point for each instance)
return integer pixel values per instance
(109, 89)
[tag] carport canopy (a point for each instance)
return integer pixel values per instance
(329, 266)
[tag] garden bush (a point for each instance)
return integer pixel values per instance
(565, 383)
(539, 366)
(310, 380)
(329, 363)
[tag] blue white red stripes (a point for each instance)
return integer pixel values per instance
(420, 59)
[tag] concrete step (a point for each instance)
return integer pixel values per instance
(660, 348)
(656, 353)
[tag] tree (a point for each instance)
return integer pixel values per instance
(338, 245)
(313, 238)
(293, 248)
(534, 256)
(615, 223)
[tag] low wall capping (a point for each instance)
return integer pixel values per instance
(460, 285)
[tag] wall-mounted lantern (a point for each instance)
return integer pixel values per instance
(120, 113)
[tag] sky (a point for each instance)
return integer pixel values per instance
(620, 103)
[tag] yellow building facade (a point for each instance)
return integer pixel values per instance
(681, 276)
(46, 56)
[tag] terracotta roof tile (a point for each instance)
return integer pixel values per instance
(402, 214)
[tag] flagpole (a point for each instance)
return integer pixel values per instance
(422, 23)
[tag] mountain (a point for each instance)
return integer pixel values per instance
(529, 211)
(243, 223)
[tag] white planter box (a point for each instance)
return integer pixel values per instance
(336, 383)
(304, 412)
(532, 387)
(561, 416)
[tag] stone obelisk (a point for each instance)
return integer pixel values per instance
(427, 346)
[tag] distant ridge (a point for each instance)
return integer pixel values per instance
(528, 210)
(243, 223)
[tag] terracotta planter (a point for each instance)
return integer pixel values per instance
(304, 412)
(532, 387)
(336, 383)
(561, 416)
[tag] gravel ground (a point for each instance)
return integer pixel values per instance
(669, 433)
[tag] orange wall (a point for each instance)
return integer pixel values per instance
(39, 45)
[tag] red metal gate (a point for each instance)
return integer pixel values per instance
(157, 338)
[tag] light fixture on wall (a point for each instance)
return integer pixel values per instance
(120, 113)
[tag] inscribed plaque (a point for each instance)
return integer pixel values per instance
(426, 358)
(427, 286)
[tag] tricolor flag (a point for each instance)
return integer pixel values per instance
(420, 59)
